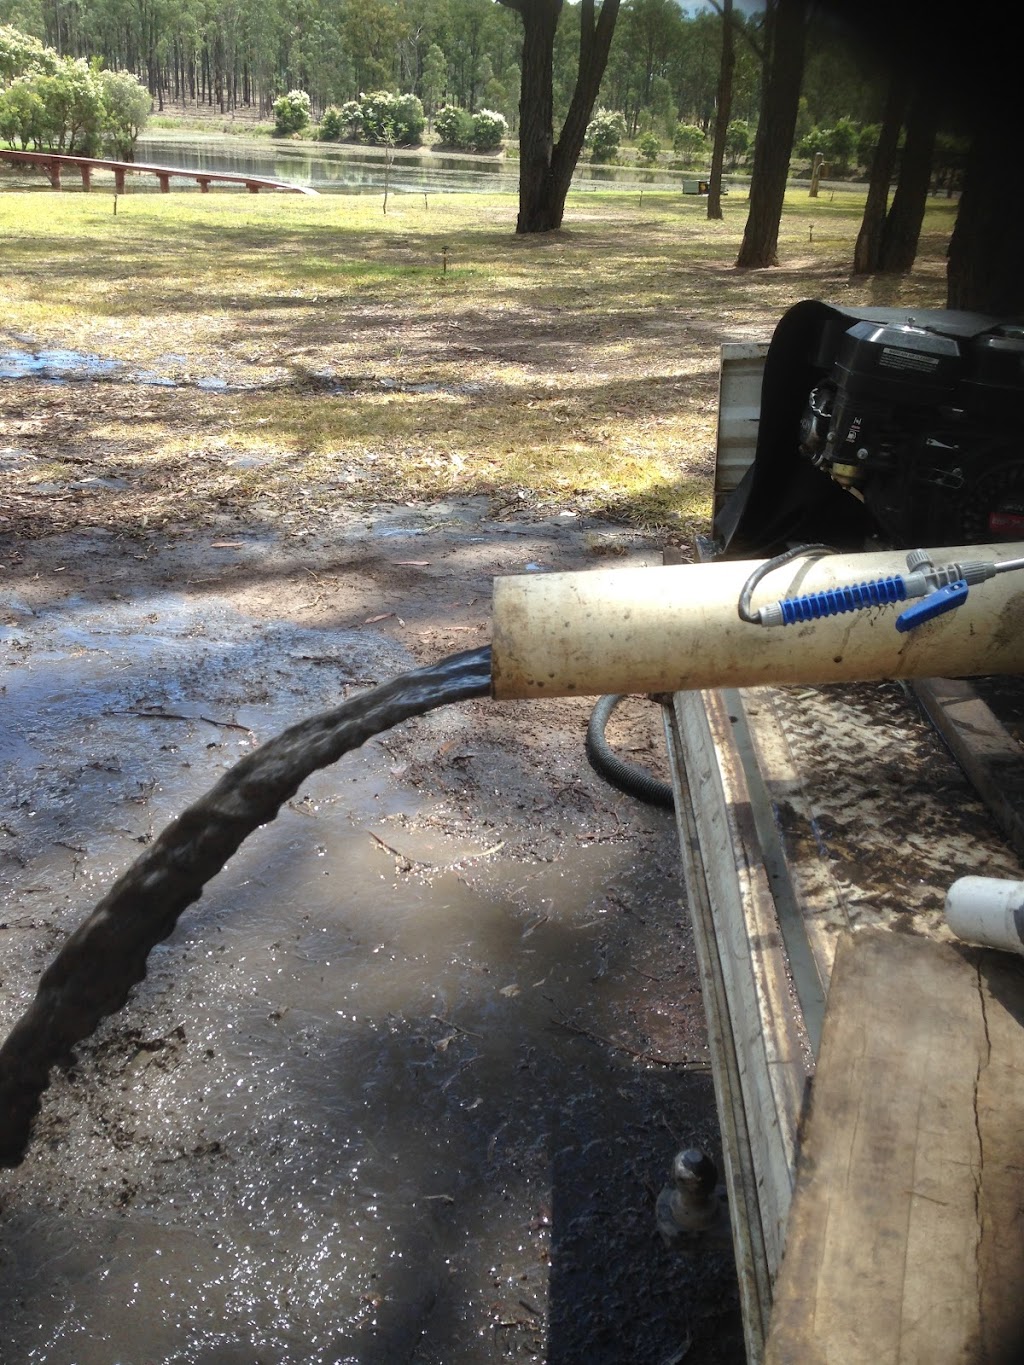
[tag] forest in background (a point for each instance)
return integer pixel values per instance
(243, 55)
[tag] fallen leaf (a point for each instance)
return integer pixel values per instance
(370, 620)
(413, 563)
(226, 544)
(509, 991)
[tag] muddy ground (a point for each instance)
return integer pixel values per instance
(405, 1084)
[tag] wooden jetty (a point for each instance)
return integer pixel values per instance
(869, 1067)
(53, 163)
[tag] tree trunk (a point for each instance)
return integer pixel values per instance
(546, 167)
(984, 273)
(537, 116)
(724, 103)
(784, 64)
(867, 252)
(903, 223)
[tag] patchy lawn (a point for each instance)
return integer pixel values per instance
(283, 352)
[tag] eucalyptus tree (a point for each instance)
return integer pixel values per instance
(784, 59)
(644, 52)
(695, 71)
(867, 252)
(371, 32)
(723, 108)
(546, 166)
(902, 229)
(433, 81)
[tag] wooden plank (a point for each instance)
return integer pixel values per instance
(905, 1242)
(986, 751)
(1001, 1189)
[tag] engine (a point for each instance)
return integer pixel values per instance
(879, 428)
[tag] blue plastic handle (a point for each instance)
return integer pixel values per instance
(811, 606)
(935, 604)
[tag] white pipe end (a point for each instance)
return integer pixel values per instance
(987, 910)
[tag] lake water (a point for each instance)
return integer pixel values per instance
(356, 170)
(348, 169)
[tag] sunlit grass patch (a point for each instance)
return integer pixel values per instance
(421, 353)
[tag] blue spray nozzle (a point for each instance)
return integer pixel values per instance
(941, 588)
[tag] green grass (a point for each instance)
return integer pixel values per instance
(575, 369)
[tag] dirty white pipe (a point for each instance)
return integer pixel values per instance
(675, 628)
(987, 910)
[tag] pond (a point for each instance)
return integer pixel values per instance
(347, 169)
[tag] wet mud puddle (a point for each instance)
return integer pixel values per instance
(60, 366)
(388, 1092)
(66, 367)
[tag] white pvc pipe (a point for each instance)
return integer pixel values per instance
(987, 910)
(675, 628)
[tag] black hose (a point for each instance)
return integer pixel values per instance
(93, 972)
(626, 777)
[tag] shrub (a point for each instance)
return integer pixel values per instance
(332, 125)
(604, 133)
(394, 119)
(454, 126)
(689, 141)
(813, 143)
(22, 115)
(488, 129)
(124, 111)
(649, 148)
(352, 118)
(292, 113)
(66, 104)
(60, 112)
(841, 145)
(409, 120)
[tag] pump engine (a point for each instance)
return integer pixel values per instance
(883, 429)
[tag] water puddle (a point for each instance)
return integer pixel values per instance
(58, 366)
(367, 1104)
(70, 367)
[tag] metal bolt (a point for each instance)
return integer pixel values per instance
(693, 1209)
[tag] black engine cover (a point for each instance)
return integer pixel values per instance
(881, 429)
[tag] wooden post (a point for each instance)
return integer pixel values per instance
(86, 170)
(203, 181)
(165, 182)
(119, 180)
(252, 187)
(55, 174)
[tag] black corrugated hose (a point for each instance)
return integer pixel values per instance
(627, 777)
